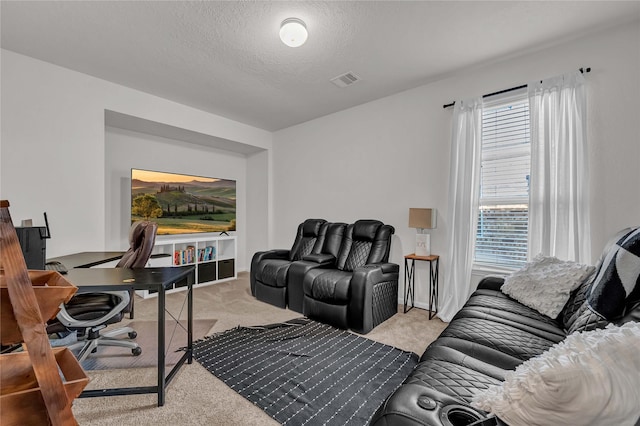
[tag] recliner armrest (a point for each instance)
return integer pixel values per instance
(387, 268)
(376, 272)
(491, 283)
(259, 257)
(273, 254)
(320, 258)
(416, 404)
(362, 284)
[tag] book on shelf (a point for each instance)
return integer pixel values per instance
(206, 254)
(184, 257)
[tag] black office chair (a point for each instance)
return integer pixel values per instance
(88, 313)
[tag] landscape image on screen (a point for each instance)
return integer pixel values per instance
(183, 204)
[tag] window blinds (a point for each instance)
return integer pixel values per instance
(503, 214)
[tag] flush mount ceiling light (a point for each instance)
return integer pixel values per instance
(293, 32)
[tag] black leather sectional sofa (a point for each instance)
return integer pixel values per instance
(491, 335)
(335, 273)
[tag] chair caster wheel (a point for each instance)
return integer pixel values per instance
(133, 335)
(136, 351)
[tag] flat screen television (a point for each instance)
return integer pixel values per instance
(183, 204)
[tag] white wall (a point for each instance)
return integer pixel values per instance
(258, 203)
(375, 160)
(53, 145)
(127, 149)
(378, 159)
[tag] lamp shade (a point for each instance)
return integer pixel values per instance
(422, 218)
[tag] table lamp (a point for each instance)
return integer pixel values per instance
(422, 219)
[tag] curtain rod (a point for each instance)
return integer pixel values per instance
(582, 70)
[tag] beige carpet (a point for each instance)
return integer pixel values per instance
(110, 357)
(196, 397)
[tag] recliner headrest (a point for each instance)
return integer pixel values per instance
(333, 238)
(366, 229)
(311, 227)
(336, 228)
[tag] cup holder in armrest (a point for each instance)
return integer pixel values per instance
(459, 415)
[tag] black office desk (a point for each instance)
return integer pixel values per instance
(159, 279)
(87, 259)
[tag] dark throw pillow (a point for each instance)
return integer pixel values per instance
(617, 280)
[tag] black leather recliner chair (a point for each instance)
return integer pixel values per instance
(269, 269)
(361, 290)
(325, 259)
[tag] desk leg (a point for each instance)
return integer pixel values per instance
(433, 288)
(161, 343)
(409, 287)
(190, 322)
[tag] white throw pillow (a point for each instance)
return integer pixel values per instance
(590, 378)
(545, 283)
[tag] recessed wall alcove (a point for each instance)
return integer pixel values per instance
(133, 142)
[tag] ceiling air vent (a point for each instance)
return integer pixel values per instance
(346, 79)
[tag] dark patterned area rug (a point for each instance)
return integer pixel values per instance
(302, 372)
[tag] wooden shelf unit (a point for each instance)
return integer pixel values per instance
(37, 386)
(214, 257)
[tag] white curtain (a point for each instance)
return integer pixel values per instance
(464, 184)
(559, 219)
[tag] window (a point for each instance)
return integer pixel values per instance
(503, 214)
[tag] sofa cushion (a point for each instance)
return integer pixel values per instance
(618, 280)
(454, 356)
(499, 305)
(590, 378)
(587, 319)
(576, 303)
(454, 374)
(489, 355)
(273, 272)
(538, 328)
(507, 339)
(545, 284)
(331, 286)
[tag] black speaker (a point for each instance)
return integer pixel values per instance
(33, 241)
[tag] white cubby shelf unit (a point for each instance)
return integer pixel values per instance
(213, 256)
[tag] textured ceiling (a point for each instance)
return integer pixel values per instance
(226, 57)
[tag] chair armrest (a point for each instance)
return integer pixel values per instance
(271, 254)
(402, 407)
(376, 272)
(362, 284)
(491, 283)
(259, 257)
(320, 258)
(388, 268)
